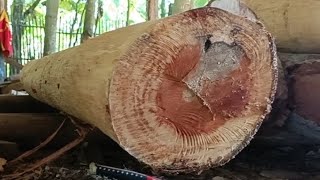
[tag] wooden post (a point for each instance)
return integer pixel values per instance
(181, 94)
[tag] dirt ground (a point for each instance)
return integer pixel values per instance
(256, 162)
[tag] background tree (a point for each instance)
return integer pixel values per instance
(163, 8)
(50, 27)
(152, 9)
(17, 21)
(128, 12)
(89, 20)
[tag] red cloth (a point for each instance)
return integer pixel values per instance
(5, 35)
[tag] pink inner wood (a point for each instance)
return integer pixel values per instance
(216, 101)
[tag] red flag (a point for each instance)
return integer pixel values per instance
(5, 35)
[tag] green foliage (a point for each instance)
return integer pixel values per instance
(73, 5)
(200, 3)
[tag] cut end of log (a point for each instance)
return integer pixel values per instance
(196, 92)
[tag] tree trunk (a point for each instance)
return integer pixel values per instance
(293, 23)
(17, 29)
(2, 5)
(5, 5)
(128, 12)
(152, 9)
(155, 88)
(50, 27)
(181, 6)
(170, 9)
(89, 20)
(99, 15)
(163, 8)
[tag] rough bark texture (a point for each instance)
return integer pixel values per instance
(89, 20)
(294, 23)
(156, 87)
(50, 27)
(152, 9)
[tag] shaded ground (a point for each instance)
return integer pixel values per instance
(256, 162)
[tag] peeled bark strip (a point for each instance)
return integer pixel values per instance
(180, 94)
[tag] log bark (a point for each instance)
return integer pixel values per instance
(294, 23)
(156, 87)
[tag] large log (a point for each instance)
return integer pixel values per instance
(180, 94)
(294, 23)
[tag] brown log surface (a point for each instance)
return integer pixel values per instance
(293, 23)
(180, 94)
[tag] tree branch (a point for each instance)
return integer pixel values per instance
(209, 3)
(31, 8)
(74, 20)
